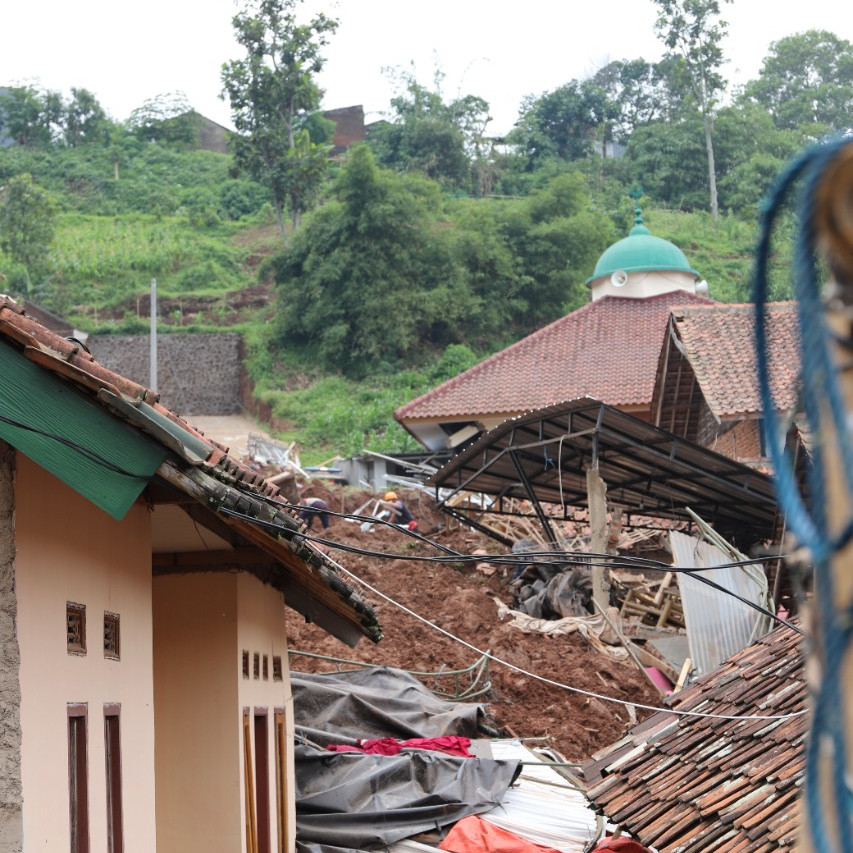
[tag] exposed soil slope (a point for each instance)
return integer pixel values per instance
(459, 599)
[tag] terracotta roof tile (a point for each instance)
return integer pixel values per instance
(719, 342)
(607, 350)
(739, 780)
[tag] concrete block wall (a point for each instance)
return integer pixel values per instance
(11, 798)
(196, 374)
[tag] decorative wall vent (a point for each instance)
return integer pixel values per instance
(257, 666)
(276, 668)
(112, 636)
(75, 626)
(245, 663)
(266, 668)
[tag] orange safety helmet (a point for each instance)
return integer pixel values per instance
(390, 496)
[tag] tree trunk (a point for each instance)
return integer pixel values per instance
(279, 216)
(712, 168)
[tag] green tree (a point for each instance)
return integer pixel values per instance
(693, 31)
(670, 161)
(85, 119)
(370, 277)
(32, 118)
(566, 123)
(807, 79)
(442, 140)
(167, 118)
(642, 92)
(27, 226)
(272, 93)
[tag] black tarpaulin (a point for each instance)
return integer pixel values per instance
(349, 801)
(355, 801)
(374, 703)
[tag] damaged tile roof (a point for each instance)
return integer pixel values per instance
(607, 350)
(703, 784)
(719, 343)
(231, 493)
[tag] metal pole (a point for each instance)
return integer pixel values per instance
(153, 338)
(531, 494)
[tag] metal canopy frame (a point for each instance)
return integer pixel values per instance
(543, 457)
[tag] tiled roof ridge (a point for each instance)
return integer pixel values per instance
(532, 339)
(733, 307)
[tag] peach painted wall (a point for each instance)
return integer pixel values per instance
(262, 631)
(196, 713)
(69, 550)
(202, 623)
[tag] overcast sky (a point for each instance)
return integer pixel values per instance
(126, 53)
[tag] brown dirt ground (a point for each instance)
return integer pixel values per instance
(460, 599)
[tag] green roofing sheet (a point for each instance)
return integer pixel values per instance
(100, 457)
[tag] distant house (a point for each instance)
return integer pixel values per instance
(707, 784)
(349, 127)
(212, 136)
(144, 578)
(607, 349)
(706, 388)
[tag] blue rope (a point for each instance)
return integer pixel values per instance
(824, 411)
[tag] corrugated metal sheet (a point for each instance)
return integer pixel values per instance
(100, 457)
(543, 806)
(718, 625)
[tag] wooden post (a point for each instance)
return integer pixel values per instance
(596, 491)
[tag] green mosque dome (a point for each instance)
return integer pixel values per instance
(641, 251)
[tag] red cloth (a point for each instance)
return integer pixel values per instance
(622, 844)
(475, 835)
(451, 744)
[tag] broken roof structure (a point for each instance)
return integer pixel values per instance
(112, 441)
(543, 457)
(708, 782)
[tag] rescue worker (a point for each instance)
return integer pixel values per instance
(314, 506)
(401, 515)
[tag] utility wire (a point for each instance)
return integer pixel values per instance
(512, 666)
(91, 455)
(581, 558)
(280, 529)
(556, 557)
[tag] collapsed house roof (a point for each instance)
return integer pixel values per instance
(718, 344)
(697, 784)
(607, 349)
(543, 456)
(112, 442)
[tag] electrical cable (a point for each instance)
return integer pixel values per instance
(454, 555)
(91, 455)
(558, 684)
(507, 664)
(561, 558)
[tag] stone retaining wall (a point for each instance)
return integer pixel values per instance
(196, 374)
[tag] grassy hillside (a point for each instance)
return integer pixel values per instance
(182, 219)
